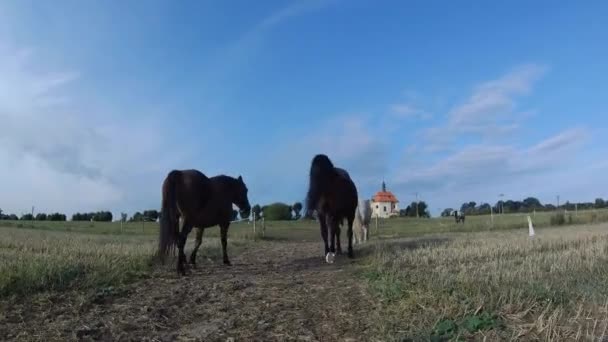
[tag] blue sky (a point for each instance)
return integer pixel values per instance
(455, 101)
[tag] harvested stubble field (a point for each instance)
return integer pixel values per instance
(415, 280)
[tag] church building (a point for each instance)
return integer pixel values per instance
(384, 204)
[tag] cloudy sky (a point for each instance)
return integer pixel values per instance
(456, 101)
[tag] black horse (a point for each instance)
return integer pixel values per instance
(201, 202)
(333, 195)
(458, 218)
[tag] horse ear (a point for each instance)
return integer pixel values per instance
(240, 178)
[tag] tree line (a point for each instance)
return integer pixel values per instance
(37, 217)
(527, 205)
(416, 209)
(278, 211)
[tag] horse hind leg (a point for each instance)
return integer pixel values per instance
(338, 245)
(330, 257)
(197, 244)
(181, 243)
(349, 233)
(324, 232)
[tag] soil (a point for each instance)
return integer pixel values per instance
(272, 292)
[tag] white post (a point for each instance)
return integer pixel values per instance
(376, 223)
(492, 216)
(253, 215)
(530, 227)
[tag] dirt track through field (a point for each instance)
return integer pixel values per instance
(272, 292)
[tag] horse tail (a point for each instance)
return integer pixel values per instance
(169, 221)
(321, 170)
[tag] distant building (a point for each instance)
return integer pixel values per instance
(385, 204)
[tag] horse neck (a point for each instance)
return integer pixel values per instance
(227, 185)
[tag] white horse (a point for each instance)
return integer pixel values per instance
(363, 217)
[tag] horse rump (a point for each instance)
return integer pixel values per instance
(169, 220)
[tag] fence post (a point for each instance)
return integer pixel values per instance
(376, 223)
(263, 227)
(253, 224)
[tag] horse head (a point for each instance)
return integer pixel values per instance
(321, 172)
(240, 197)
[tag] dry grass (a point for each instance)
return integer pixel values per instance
(36, 260)
(494, 285)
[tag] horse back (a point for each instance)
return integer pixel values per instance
(343, 195)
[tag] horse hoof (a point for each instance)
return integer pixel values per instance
(330, 257)
(227, 263)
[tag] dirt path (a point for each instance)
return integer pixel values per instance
(272, 292)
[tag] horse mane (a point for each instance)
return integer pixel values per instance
(322, 170)
(224, 179)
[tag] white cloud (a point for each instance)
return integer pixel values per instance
(492, 99)
(490, 111)
(476, 170)
(58, 156)
(294, 9)
(408, 111)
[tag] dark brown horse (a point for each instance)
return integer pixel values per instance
(201, 202)
(333, 195)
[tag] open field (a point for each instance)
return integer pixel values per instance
(304, 229)
(416, 279)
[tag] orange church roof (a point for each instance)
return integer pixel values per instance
(385, 196)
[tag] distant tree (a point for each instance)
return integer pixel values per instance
(297, 209)
(277, 212)
(13, 217)
(102, 216)
(41, 217)
(423, 209)
(447, 212)
(532, 204)
(484, 209)
(123, 217)
(468, 208)
(56, 217)
(150, 215)
(256, 211)
(27, 217)
(137, 217)
(415, 208)
(600, 203)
